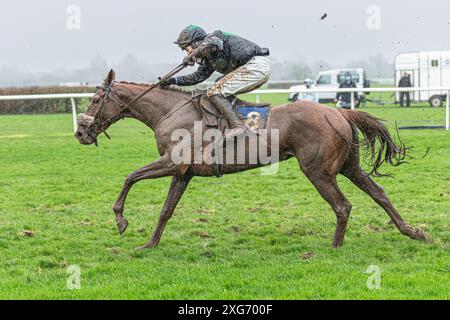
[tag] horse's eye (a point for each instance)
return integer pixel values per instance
(95, 99)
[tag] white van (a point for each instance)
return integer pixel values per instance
(331, 79)
(427, 69)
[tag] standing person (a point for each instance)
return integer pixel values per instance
(405, 82)
(343, 99)
(308, 96)
(244, 64)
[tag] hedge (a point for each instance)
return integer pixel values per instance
(42, 105)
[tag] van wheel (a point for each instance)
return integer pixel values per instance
(436, 101)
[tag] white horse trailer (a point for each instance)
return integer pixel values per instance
(427, 69)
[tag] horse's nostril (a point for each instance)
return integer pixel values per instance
(78, 134)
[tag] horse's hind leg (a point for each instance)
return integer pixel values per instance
(329, 190)
(353, 171)
(324, 181)
(376, 192)
(321, 164)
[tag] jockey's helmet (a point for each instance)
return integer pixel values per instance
(190, 35)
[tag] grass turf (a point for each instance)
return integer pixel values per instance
(271, 240)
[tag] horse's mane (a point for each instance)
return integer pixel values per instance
(169, 88)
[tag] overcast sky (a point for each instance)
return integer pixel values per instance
(35, 36)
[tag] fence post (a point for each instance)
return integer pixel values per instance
(74, 114)
(353, 100)
(447, 111)
(257, 98)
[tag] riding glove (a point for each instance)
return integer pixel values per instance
(169, 81)
(189, 60)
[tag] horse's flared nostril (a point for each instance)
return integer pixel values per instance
(78, 134)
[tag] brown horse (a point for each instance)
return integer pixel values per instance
(324, 141)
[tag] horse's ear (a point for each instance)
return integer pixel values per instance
(110, 77)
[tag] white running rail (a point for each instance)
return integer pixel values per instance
(258, 93)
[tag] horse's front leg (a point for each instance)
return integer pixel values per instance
(176, 190)
(163, 167)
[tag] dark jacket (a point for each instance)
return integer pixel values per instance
(222, 52)
(346, 96)
(405, 82)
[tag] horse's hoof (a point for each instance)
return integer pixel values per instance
(336, 245)
(421, 235)
(122, 225)
(146, 246)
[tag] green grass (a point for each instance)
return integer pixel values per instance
(417, 114)
(239, 237)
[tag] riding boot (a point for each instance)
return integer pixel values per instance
(226, 108)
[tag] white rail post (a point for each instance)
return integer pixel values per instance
(447, 111)
(258, 100)
(352, 100)
(74, 114)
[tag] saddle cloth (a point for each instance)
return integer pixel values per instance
(253, 115)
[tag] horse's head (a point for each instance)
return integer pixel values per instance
(101, 113)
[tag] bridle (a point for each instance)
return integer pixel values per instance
(95, 124)
(101, 125)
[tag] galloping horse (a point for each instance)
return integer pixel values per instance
(324, 140)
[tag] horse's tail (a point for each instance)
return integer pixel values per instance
(373, 130)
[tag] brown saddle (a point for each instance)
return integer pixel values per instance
(249, 112)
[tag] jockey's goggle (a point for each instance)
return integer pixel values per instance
(183, 46)
(194, 44)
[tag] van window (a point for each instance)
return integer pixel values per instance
(324, 79)
(341, 77)
(435, 63)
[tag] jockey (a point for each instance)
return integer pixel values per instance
(244, 65)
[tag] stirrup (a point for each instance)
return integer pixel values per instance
(235, 132)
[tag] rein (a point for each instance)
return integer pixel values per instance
(101, 125)
(101, 128)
